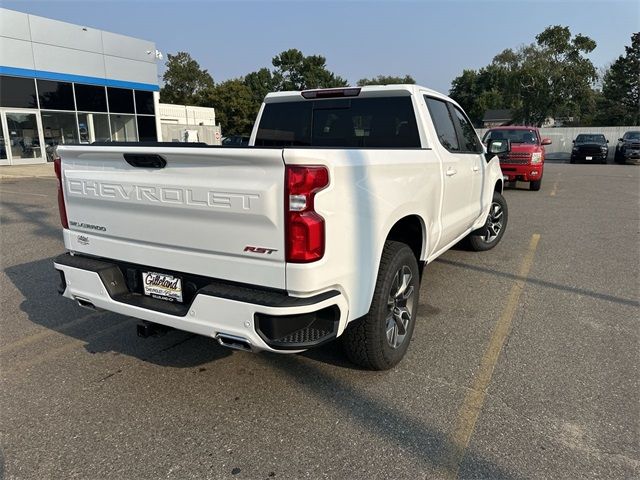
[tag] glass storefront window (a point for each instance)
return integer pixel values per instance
(3, 148)
(147, 129)
(144, 103)
(55, 95)
(17, 92)
(120, 100)
(24, 139)
(59, 129)
(123, 128)
(94, 127)
(90, 98)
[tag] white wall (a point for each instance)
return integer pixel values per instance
(38, 43)
(186, 114)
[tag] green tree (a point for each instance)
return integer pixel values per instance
(234, 106)
(260, 83)
(551, 77)
(295, 71)
(185, 83)
(620, 101)
(386, 80)
(478, 91)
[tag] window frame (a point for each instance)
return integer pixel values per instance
(41, 82)
(459, 132)
(135, 102)
(82, 85)
(428, 97)
(112, 97)
(34, 93)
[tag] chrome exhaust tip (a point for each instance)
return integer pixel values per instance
(231, 341)
(85, 303)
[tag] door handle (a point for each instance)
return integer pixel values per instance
(145, 160)
(451, 172)
(476, 168)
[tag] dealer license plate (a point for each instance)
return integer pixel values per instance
(160, 285)
(589, 158)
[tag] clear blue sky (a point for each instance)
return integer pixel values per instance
(431, 40)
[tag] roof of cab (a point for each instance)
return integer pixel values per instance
(366, 91)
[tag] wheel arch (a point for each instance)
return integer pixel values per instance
(411, 231)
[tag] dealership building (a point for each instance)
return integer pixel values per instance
(62, 83)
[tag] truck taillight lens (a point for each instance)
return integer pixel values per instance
(305, 227)
(57, 166)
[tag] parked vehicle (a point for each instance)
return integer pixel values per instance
(628, 148)
(590, 147)
(319, 229)
(525, 161)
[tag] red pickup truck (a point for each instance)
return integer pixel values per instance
(525, 161)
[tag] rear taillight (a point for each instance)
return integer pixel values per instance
(57, 166)
(305, 227)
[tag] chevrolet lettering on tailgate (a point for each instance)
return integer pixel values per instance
(169, 195)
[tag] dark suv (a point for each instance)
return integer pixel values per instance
(628, 148)
(590, 147)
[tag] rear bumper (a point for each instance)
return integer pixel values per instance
(524, 173)
(264, 319)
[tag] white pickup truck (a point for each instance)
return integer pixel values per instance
(318, 229)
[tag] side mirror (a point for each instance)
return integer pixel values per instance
(497, 147)
(620, 140)
(607, 140)
(572, 141)
(547, 141)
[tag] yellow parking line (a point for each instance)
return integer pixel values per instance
(554, 190)
(23, 193)
(474, 400)
(47, 332)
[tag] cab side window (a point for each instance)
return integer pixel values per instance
(443, 122)
(469, 140)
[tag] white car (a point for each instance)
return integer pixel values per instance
(318, 229)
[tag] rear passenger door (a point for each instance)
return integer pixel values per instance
(458, 209)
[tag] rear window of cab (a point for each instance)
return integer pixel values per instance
(386, 122)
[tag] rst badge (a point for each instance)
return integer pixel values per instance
(262, 250)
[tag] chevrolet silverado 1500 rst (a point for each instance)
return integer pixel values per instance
(319, 229)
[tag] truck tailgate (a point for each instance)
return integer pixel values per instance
(197, 214)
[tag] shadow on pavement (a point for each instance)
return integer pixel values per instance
(543, 283)
(34, 215)
(37, 282)
(430, 447)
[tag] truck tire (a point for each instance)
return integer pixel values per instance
(376, 341)
(488, 236)
(617, 157)
(535, 185)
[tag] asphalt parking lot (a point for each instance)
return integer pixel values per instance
(524, 364)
